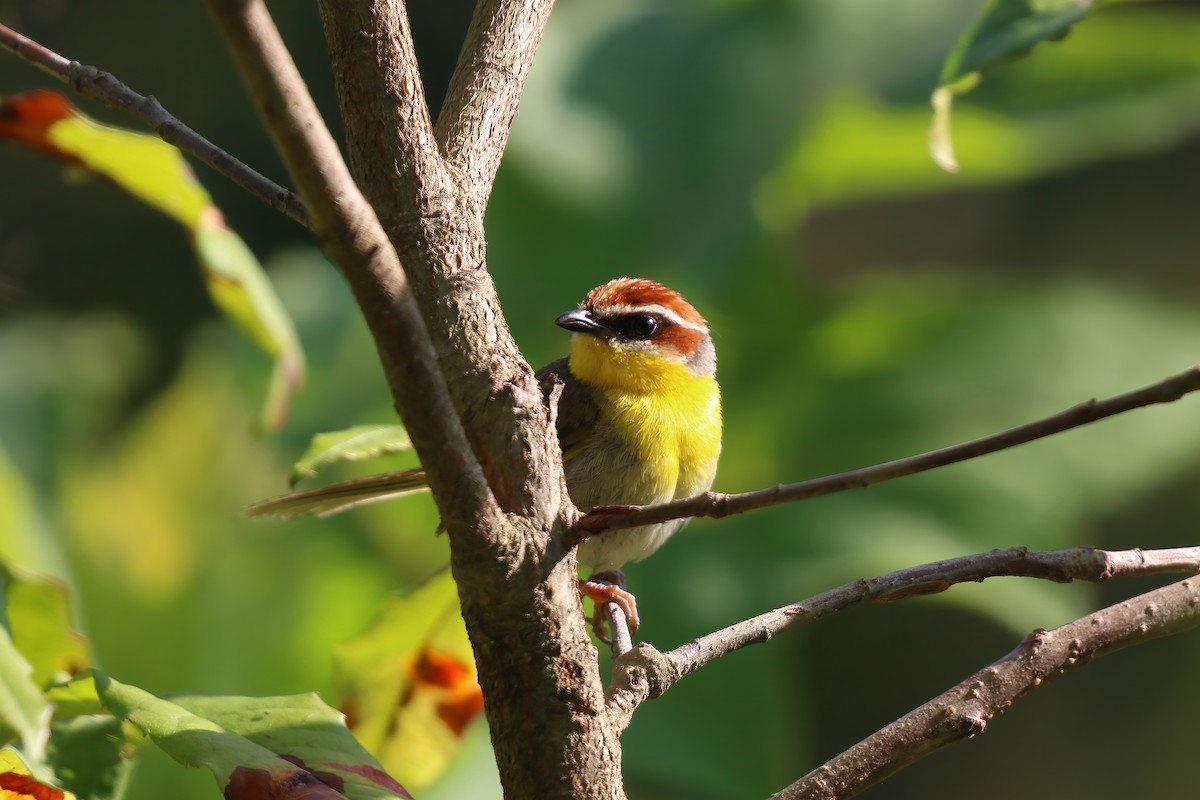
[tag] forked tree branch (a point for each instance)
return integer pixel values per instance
(103, 86)
(717, 504)
(645, 673)
(537, 666)
(352, 236)
(433, 213)
(965, 710)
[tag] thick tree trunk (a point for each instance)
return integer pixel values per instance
(537, 665)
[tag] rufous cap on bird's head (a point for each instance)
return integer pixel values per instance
(634, 323)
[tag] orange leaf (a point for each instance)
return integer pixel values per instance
(28, 116)
(440, 669)
(409, 685)
(17, 781)
(461, 708)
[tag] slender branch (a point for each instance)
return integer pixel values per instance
(481, 101)
(105, 87)
(352, 235)
(645, 673)
(965, 710)
(717, 504)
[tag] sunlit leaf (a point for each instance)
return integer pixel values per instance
(409, 684)
(157, 174)
(352, 444)
(258, 748)
(837, 157)
(1126, 82)
(23, 709)
(39, 616)
(76, 697)
(24, 537)
(240, 288)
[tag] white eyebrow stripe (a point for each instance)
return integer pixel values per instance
(652, 308)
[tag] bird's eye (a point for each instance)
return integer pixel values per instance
(638, 326)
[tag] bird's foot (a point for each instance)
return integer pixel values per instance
(609, 587)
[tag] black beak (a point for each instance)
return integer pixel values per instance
(582, 321)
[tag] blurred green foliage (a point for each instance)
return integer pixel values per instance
(767, 158)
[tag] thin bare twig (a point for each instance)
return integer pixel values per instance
(105, 87)
(645, 673)
(717, 504)
(965, 710)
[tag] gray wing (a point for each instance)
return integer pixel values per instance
(577, 411)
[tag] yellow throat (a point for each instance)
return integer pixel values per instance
(668, 417)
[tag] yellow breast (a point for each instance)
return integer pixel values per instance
(667, 417)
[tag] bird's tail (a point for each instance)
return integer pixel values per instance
(337, 497)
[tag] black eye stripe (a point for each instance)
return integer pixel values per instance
(636, 326)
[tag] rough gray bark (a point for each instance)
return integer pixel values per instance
(537, 665)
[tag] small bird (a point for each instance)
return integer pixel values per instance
(639, 422)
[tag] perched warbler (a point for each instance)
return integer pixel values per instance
(639, 422)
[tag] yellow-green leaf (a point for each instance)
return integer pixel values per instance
(351, 444)
(240, 288)
(38, 609)
(157, 174)
(23, 709)
(258, 746)
(409, 686)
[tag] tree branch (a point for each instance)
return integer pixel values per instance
(105, 87)
(965, 710)
(517, 585)
(645, 673)
(352, 236)
(717, 504)
(383, 107)
(434, 218)
(481, 101)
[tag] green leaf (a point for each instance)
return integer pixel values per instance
(1004, 30)
(1008, 29)
(39, 617)
(252, 744)
(352, 444)
(240, 288)
(157, 174)
(23, 709)
(24, 536)
(75, 698)
(409, 683)
(85, 754)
